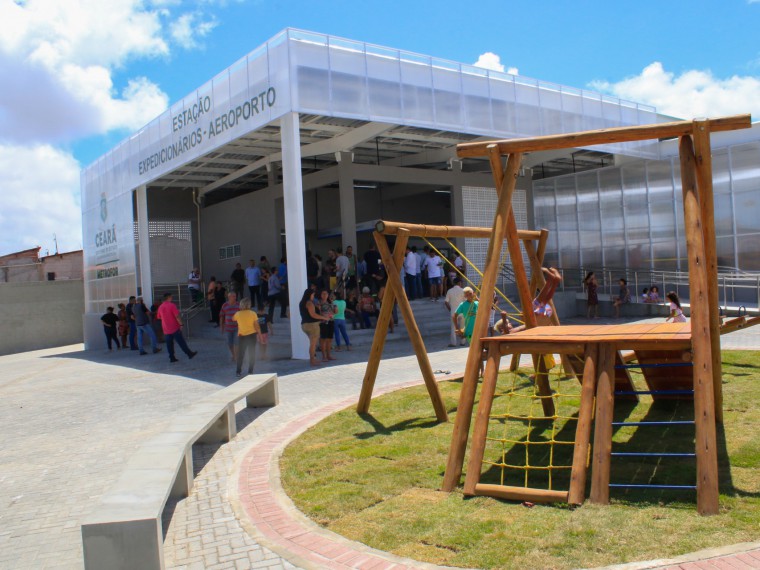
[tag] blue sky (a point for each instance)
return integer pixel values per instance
(80, 75)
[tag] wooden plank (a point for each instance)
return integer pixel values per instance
(702, 152)
(733, 325)
(577, 492)
(605, 407)
(389, 228)
(480, 432)
(459, 436)
(394, 282)
(542, 347)
(520, 494)
(704, 396)
(600, 136)
(381, 330)
(623, 380)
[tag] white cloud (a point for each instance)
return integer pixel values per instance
(188, 29)
(40, 193)
(694, 93)
(58, 64)
(490, 60)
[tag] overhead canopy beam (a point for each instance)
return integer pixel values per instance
(601, 136)
(423, 230)
(328, 146)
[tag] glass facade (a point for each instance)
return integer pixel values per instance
(631, 216)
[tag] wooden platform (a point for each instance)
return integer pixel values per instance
(653, 344)
(572, 339)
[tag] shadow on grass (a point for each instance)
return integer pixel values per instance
(381, 429)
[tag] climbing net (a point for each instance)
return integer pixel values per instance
(524, 447)
(513, 313)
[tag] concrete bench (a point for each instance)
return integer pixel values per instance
(125, 530)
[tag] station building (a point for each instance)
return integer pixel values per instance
(309, 139)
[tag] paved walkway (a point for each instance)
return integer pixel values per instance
(71, 420)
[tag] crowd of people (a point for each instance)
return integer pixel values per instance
(135, 322)
(345, 292)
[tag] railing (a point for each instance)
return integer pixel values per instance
(736, 288)
(188, 307)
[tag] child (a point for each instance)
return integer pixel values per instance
(541, 304)
(340, 321)
(266, 326)
(645, 296)
(675, 308)
(654, 294)
(623, 298)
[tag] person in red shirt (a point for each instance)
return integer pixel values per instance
(171, 323)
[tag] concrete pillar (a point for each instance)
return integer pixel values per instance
(457, 200)
(347, 199)
(295, 231)
(146, 280)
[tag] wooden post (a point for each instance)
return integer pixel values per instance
(470, 381)
(490, 377)
(707, 211)
(704, 402)
(543, 386)
(381, 330)
(605, 407)
(394, 282)
(579, 470)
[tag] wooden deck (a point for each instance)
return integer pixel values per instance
(572, 339)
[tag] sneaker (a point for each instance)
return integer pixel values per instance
(173, 360)
(192, 354)
(156, 350)
(238, 374)
(143, 353)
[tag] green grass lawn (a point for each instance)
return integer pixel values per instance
(376, 479)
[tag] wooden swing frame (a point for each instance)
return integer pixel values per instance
(696, 179)
(395, 292)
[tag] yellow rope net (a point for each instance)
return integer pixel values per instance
(513, 315)
(525, 448)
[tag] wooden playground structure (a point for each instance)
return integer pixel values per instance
(678, 360)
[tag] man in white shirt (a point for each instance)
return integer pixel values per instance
(253, 278)
(194, 284)
(454, 298)
(341, 271)
(411, 268)
(434, 267)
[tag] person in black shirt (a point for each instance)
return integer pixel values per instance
(131, 323)
(237, 280)
(372, 260)
(109, 327)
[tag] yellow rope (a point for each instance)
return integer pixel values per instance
(475, 287)
(522, 389)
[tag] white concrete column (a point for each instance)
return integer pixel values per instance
(347, 199)
(146, 280)
(457, 200)
(295, 231)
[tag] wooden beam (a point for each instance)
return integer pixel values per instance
(704, 397)
(577, 492)
(470, 381)
(429, 231)
(521, 493)
(605, 407)
(381, 330)
(480, 432)
(544, 387)
(394, 281)
(702, 152)
(600, 136)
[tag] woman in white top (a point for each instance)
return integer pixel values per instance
(676, 314)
